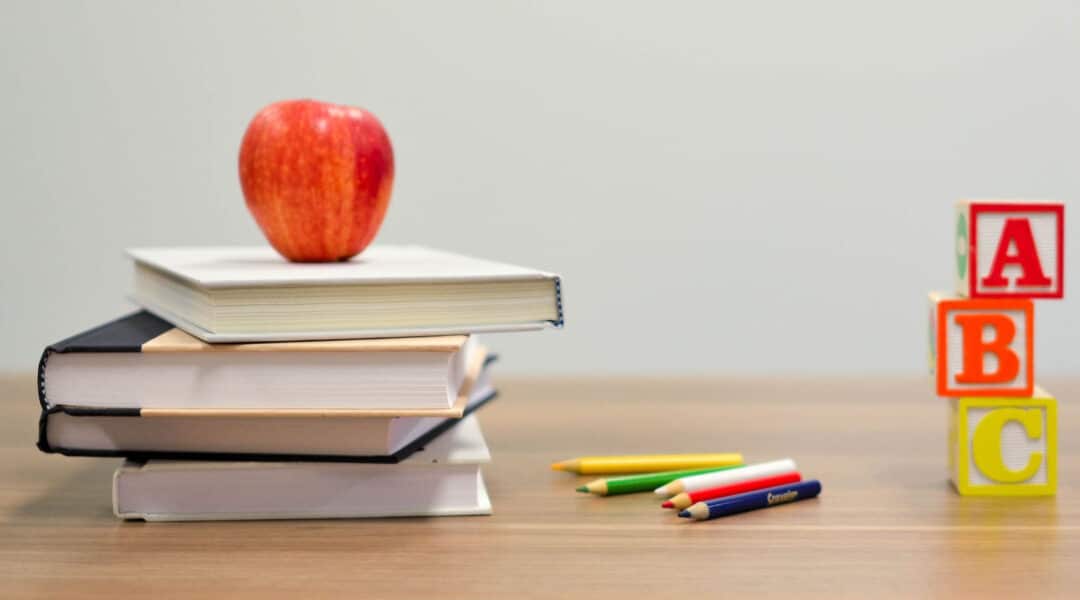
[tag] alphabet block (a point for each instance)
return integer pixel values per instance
(1010, 249)
(1003, 446)
(983, 347)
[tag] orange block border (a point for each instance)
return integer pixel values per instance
(988, 305)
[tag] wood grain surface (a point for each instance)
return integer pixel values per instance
(886, 525)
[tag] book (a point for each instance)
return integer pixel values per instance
(225, 433)
(315, 435)
(142, 362)
(242, 294)
(442, 479)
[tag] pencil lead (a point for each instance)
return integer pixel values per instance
(557, 467)
(668, 504)
(684, 514)
(583, 488)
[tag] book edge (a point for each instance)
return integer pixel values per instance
(529, 274)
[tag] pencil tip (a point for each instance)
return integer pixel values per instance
(557, 466)
(668, 504)
(661, 491)
(684, 514)
(583, 488)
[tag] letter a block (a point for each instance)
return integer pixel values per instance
(1010, 249)
(983, 347)
(1003, 446)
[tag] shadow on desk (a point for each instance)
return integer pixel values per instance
(83, 491)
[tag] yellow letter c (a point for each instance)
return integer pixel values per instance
(986, 444)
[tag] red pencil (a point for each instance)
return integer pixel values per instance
(687, 498)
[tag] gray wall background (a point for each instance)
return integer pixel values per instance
(729, 187)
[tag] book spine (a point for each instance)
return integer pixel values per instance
(43, 420)
(558, 303)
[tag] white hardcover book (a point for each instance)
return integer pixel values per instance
(442, 479)
(241, 294)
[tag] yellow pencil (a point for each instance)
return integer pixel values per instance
(644, 463)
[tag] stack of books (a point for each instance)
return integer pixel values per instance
(255, 388)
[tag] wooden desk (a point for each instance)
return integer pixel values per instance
(886, 524)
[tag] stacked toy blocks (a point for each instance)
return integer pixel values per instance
(1002, 426)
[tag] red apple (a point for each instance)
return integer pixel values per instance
(316, 176)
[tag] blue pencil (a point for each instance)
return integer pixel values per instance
(781, 494)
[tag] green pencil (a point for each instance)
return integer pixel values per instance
(641, 483)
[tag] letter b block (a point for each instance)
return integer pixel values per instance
(1010, 249)
(1003, 446)
(982, 347)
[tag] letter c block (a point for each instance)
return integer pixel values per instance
(1004, 446)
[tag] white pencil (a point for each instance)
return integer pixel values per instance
(717, 478)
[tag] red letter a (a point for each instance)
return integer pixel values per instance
(1017, 231)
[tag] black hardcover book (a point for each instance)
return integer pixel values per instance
(137, 387)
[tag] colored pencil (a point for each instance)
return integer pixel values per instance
(640, 483)
(685, 499)
(781, 494)
(708, 480)
(589, 465)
